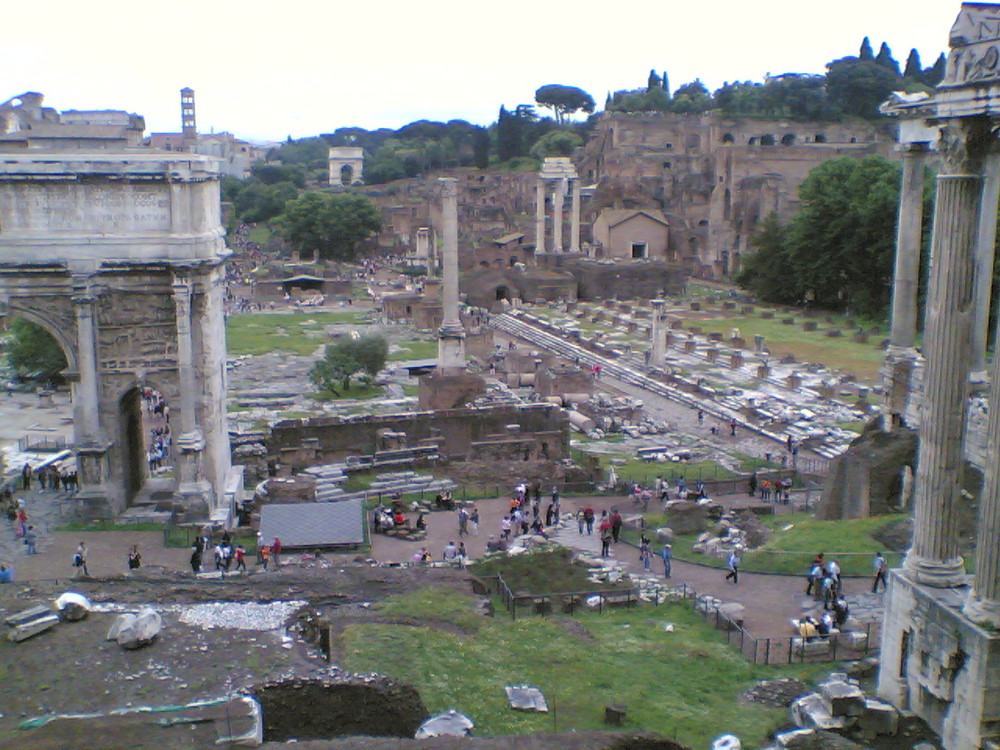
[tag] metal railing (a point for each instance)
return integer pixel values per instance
(563, 602)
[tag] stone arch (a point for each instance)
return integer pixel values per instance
(819, 138)
(788, 139)
(728, 138)
(346, 174)
(502, 293)
(59, 330)
(767, 140)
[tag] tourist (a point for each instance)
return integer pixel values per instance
(588, 517)
(463, 522)
(505, 526)
(752, 484)
(644, 552)
(605, 531)
(807, 629)
(581, 520)
(80, 559)
(26, 477)
(417, 557)
(733, 564)
(840, 612)
(220, 559)
(732, 427)
(6, 573)
(474, 521)
(30, 540)
(463, 555)
(450, 552)
(265, 555)
(814, 577)
(616, 524)
(701, 416)
(421, 521)
(240, 554)
(548, 515)
(134, 558)
(829, 590)
(276, 552)
(833, 569)
(667, 554)
(879, 571)
(196, 558)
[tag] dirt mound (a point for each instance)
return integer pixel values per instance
(321, 708)
(775, 693)
(754, 530)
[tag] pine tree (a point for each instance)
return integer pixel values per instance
(913, 70)
(654, 81)
(666, 84)
(886, 60)
(866, 50)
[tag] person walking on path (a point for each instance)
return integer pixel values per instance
(474, 520)
(196, 558)
(605, 532)
(752, 484)
(733, 563)
(581, 521)
(666, 553)
(80, 559)
(616, 525)
(463, 522)
(879, 570)
(588, 517)
(276, 552)
(30, 540)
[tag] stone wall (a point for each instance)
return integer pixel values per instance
(300, 443)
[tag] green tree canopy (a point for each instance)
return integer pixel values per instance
(564, 100)
(838, 249)
(333, 223)
(31, 350)
(343, 359)
(556, 143)
(858, 87)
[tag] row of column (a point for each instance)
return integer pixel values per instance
(954, 347)
(558, 189)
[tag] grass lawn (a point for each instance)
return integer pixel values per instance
(357, 392)
(259, 234)
(549, 572)
(790, 551)
(414, 350)
(462, 661)
(260, 333)
(646, 472)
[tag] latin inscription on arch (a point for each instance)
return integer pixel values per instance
(85, 207)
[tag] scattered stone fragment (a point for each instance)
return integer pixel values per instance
(727, 742)
(810, 712)
(449, 724)
(72, 606)
(526, 698)
(140, 630)
(842, 698)
(879, 717)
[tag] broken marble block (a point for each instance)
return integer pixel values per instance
(727, 742)
(449, 724)
(842, 698)
(141, 630)
(879, 717)
(810, 711)
(72, 606)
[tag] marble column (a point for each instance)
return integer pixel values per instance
(190, 441)
(540, 216)
(985, 248)
(659, 339)
(558, 201)
(933, 559)
(983, 604)
(89, 429)
(574, 219)
(451, 335)
(908, 235)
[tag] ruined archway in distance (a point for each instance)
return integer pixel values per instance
(346, 174)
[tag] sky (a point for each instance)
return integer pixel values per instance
(267, 70)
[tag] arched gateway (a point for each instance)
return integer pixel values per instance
(120, 255)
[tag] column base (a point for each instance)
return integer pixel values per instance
(983, 612)
(451, 348)
(940, 574)
(191, 442)
(197, 499)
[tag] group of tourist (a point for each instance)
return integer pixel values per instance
(17, 514)
(526, 515)
(780, 489)
(50, 477)
(229, 555)
(824, 580)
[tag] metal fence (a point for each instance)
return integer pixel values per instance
(565, 602)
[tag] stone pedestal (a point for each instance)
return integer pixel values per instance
(938, 663)
(449, 390)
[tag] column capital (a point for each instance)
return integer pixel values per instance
(964, 144)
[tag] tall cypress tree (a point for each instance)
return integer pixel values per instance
(913, 68)
(866, 50)
(666, 84)
(654, 81)
(886, 60)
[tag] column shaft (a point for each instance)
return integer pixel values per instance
(574, 219)
(540, 216)
(185, 357)
(558, 199)
(90, 398)
(933, 559)
(908, 234)
(656, 329)
(449, 209)
(985, 248)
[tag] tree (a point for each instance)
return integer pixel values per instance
(691, 98)
(343, 359)
(654, 81)
(841, 243)
(32, 350)
(766, 272)
(935, 73)
(333, 223)
(257, 202)
(886, 60)
(913, 69)
(865, 53)
(858, 87)
(564, 100)
(481, 148)
(556, 143)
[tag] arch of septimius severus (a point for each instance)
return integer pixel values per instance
(940, 654)
(119, 253)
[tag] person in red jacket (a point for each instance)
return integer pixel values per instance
(276, 552)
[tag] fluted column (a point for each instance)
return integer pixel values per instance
(540, 216)
(558, 202)
(933, 559)
(190, 441)
(985, 249)
(656, 329)
(574, 219)
(451, 335)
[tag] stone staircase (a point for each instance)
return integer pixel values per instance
(330, 477)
